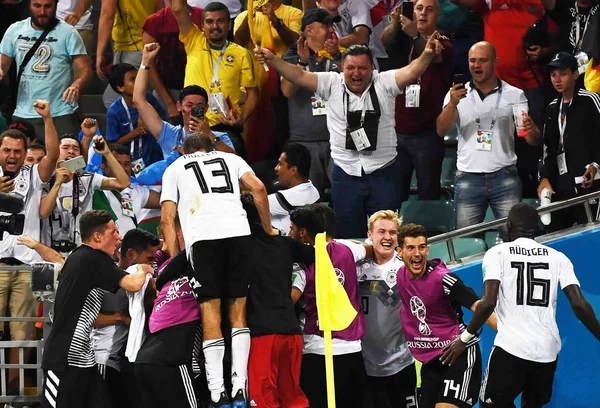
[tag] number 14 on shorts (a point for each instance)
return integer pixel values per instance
(451, 386)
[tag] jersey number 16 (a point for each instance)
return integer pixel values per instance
(532, 283)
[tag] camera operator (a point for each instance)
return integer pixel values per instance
(24, 182)
(69, 194)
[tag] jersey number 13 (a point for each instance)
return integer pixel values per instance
(223, 171)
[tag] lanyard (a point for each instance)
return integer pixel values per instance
(562, 125)
(410, 58)
(578, 34)
(495, 115)
(139, 138)
(364, 108)
(215, 66)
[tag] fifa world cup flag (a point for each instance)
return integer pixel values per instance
(334, 310)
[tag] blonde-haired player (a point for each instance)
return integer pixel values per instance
(391, 376)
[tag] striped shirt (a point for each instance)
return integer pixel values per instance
(79, 296)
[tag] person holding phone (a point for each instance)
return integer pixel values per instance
(572, 140)
(26, 183)
(420, 149)
(171, 136)
(70, 191)
(482, 113)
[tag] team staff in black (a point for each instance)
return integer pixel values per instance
(276, 348)
(71, 377)
(572, 141)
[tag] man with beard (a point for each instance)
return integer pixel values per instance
(24, 182)
(432, 301)
(57, 72)
(219, 66)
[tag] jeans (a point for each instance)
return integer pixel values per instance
(423, 153)
(473, 192)
(356, 198)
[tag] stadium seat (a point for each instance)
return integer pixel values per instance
(437, 216)
(463, 247)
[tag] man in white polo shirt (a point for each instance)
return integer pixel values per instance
(360, 120)
(482, 112)
(292, 170)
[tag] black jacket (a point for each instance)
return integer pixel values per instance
(582, 135)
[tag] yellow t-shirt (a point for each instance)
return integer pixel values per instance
(127, 26)
(236, 69)
(291, 16)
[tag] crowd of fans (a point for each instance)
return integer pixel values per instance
(347, 98)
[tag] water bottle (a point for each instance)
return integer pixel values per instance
(544, 201)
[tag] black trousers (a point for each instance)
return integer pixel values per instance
(349, 373)
(161, 386)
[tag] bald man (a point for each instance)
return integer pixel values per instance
(482, 111)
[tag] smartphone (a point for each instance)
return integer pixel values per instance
(10, 174)
(408, 9)
(459, 79)
(198, 112)
(74, 164)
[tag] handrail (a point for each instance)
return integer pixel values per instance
(473, 229)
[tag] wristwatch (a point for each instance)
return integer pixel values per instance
(145, 67)
(280, 21)
(303, 64)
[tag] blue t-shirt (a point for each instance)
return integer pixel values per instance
(49, 72)
(118, 124)
(172, 135)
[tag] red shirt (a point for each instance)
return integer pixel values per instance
(505, 24)
(435, 83)
(171, 60)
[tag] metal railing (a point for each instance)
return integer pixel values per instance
(448, 237)
(21, 345)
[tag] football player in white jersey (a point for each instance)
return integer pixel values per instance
(521, 281)
(203, 188)
(391, 375)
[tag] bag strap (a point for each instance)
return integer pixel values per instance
(34, 48)
(375, 100)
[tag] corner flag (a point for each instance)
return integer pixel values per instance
(334, 310)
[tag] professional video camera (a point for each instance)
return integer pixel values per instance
(13, 224)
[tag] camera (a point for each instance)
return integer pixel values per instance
(13, 224)
(63, 246)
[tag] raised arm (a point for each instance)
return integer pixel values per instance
(154, 123)
(48, 163)
(48, 254)
(48, 202)
(158, 84)
(449, 115)
(409, 74)
(287, 35)
(121, 180)
(293, 73)
(182, 15)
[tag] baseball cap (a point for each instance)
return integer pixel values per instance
(563, 60)
(318, 15)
